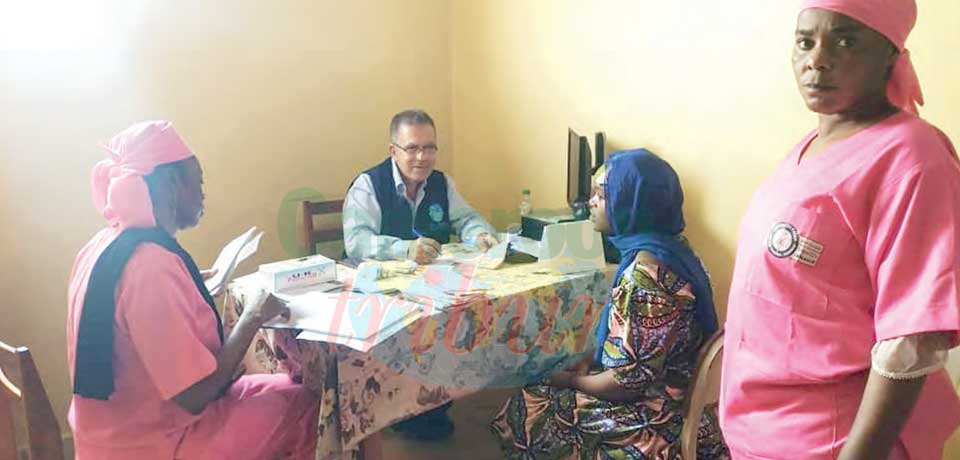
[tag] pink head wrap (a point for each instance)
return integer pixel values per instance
(119, 191)
(893, 19)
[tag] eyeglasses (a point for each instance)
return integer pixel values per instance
(414, 149)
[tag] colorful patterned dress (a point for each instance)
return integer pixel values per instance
(652, 348)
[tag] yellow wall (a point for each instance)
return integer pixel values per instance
(274, 96)
(707, 85)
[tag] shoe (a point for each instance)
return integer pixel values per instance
(431, 426)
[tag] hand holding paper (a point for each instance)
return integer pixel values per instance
(230, 257)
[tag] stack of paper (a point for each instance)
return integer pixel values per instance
(459, 253)
(441, 287)
(230, 257)
(357, 320)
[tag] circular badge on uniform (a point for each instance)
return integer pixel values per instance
(783, 240)
(435, 212)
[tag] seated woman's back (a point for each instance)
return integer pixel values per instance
(653, 340)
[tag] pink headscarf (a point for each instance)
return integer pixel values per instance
(119, 191)
(893, 19)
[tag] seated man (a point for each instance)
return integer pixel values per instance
(404, 208)
(153, 374)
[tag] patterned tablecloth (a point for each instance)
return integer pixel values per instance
(527, 323)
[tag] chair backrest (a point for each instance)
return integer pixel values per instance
(704, 390)
(25, 411)
(312, 236)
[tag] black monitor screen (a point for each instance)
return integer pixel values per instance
(600, 150)
(578, 168)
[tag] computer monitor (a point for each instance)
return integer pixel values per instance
(578, 170)
(599, 150)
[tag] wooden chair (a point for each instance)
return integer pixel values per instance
(704, 390)
(312, 236)
(25, 411)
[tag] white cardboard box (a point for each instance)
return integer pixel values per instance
(298, 273)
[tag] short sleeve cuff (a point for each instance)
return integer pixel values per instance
(186, 375)
(932, 318)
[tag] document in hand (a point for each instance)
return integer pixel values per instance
(493, 258)
(231, 255)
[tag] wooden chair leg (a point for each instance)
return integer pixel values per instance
(371, 448)
(8, 442)
(46, 442)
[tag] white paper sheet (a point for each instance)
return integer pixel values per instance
(444, 286)
(460, 253)
(235, 252)
(493, 258)
(356, 320)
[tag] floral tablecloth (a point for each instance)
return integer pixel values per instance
(528, 323)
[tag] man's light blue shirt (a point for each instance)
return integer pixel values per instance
(361, 219)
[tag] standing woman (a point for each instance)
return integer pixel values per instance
(844, 297)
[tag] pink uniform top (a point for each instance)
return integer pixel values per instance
(164, 342)
(835, 253)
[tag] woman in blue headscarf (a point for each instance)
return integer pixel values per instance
(660, 312)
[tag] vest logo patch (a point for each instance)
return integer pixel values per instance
(785, 242)
(435, 212)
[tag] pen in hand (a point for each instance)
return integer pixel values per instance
(424, 250)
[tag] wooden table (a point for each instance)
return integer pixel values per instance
(529, 323)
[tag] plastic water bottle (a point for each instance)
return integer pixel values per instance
(526, 204)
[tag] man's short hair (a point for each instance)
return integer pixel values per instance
(409, 117)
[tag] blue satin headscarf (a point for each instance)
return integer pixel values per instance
(644, 205)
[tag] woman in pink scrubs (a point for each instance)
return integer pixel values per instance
(153, 374)
(845, 292)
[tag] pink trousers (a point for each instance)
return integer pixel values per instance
(262, 417)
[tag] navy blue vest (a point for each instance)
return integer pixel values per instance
(433, 215)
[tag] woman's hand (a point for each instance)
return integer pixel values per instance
(265, 307)
(207, 274)
(562, 379)
(582, 367)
